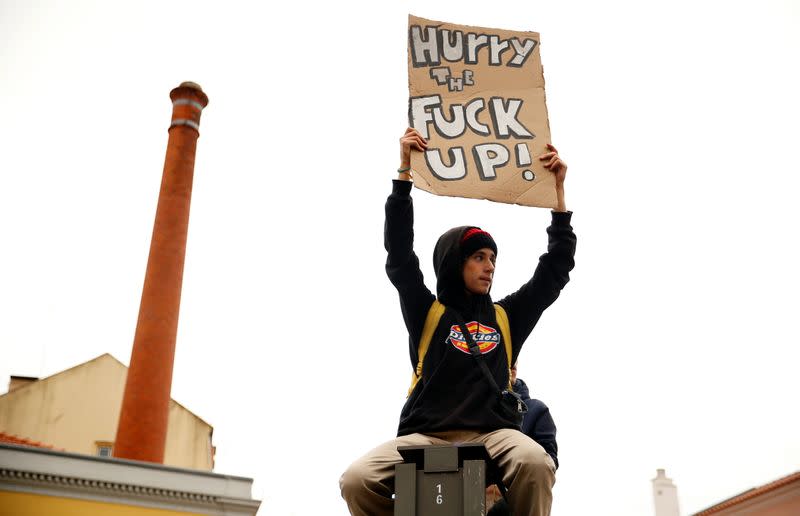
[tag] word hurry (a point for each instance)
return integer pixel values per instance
(430, 46)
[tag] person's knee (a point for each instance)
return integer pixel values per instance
(534, 463)
(352, 480)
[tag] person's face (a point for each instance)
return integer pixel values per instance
(479, 271)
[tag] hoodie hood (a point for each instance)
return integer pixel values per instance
(448, 264)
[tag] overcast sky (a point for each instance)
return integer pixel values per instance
(674, 345)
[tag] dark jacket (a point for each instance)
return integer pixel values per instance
(538, 424)
(453, 394)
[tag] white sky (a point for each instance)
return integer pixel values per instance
(672, 346)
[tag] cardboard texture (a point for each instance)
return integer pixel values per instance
(478, 95)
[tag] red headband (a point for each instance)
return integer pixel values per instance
(472, 232)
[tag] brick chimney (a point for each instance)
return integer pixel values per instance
(142, 429)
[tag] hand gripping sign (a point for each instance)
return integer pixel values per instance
(477, 95)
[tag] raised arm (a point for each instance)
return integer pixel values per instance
(402, 264)
(525, 306)
(556, 165)
(411, 139)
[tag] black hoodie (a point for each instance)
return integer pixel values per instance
(453, 394)
(538, 423)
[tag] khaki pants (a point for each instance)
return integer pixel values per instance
(528, 471)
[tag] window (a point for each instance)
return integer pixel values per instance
(104, 448)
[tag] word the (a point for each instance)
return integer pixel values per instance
(442, 76)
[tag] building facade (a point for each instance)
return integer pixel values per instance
(77, 411)
(35, 482)
(778, 498)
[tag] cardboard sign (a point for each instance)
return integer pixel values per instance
(477, 95)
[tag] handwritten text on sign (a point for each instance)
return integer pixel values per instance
(470, 91)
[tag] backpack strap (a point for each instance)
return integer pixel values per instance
(505, 331)
(432, 321)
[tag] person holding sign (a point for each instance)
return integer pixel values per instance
(452, 401)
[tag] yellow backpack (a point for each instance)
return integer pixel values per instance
(432, 321)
